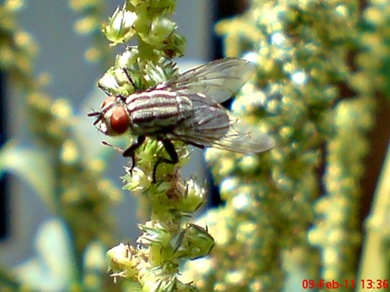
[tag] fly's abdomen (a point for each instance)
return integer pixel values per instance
(156, 111)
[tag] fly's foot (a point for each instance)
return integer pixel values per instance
(159, 161)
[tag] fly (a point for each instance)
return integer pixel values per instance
(186, 108)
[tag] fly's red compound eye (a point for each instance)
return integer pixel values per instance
(119, 120)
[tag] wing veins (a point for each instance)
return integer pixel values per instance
(218, 80)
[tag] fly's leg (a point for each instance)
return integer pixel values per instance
(105, 143)
(172, 154)
(129, 152)
(136, 88)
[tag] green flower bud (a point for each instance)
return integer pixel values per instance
(156, 32)
(121, 260)
(128, 58)
(120, 27)
(193, 197)
(174, 46)
(153, 7)
(193, 242)
(154, 233)
(116, 82)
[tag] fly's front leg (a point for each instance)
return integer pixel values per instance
(172, 154)
(129, 152)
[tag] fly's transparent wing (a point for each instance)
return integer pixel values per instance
(211, 125)
(244, 139)
(218, 80)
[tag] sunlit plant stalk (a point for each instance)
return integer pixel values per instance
(168, 237)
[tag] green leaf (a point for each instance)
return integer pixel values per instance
(50, 269)
(32, 166)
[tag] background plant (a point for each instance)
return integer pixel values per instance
(290, 214)
(71, 245)
(298, 207)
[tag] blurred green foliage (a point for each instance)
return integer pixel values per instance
(290, 214)
(70, 247)
(294, 213)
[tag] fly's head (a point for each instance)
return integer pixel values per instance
(113, 118)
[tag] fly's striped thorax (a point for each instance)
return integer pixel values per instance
(154, 111)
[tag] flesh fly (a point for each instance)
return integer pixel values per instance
(186, 108)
